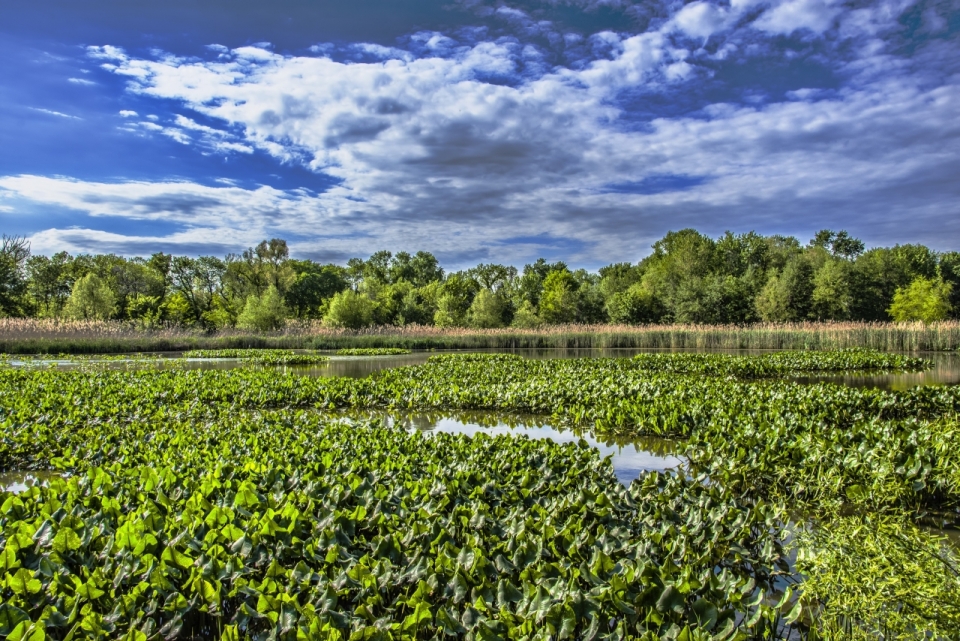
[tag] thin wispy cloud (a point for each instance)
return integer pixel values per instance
(58, 114)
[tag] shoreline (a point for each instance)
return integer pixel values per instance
(25, 336)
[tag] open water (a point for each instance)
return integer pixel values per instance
(946, 369)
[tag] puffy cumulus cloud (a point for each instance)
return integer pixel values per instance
(462, 150)
(794, 15)
(701, 19)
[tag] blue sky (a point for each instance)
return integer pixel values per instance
(478, 130)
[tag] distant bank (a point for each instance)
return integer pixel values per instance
(31, 336)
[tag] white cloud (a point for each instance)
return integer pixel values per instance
(81, 81)
(793, 15)
(701, 19)
(126, 113)
(58, 114)
(430, 155)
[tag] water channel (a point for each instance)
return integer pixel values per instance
(945, 370)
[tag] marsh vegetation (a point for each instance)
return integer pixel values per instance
(258, 503)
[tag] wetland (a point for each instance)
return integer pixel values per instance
(543, 494)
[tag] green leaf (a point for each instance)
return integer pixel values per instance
(420, 616)
(10, 618)
(66, 540)
(23, 583)
(27, 631)
(671, 600)
(706, 613)
(449, 624)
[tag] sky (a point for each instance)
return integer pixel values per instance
(479, 130)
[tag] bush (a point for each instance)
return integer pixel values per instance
(91, 299)
(263, 313)
(926, 300)
(349, 310)
(486, 310)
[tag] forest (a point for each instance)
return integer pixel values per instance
(687, 278)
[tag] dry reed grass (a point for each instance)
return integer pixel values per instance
(48, 335)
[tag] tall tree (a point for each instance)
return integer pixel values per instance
(558, 303)
(49, 283)
(91, 299)
(14, 252)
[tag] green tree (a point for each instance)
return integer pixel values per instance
(419, 305)
(590, 301)
(49, 283)
(635, 306)
(493, 276)
(617, 278)
(350, 310)
(455, 297)
(14, 252)
(832, 296)
(426, 269)
(949, 266)
(145, 310)
(925, 299)
(313, 285)
(530, 286)
(786, 297)
(675, 273)
(377, 267)
(263, 313)
(198, 281)
(486, 311)
(558, 303)
(420, 269)
(388, 300)
(878, 273)
(526, 317)
(91, 299)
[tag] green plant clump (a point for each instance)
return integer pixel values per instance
(260, 356)
(372, 351)
(781, 363)
(285, 525)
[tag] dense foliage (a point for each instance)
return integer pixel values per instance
(372, 351)
(260, 356)
(688, 278)
(223, 503)
(285, 525)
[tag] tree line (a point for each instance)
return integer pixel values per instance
(688, 278)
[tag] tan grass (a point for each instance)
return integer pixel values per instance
(887, 336)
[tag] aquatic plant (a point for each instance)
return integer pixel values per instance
(260, 356)
(372, 351)
(286, 525)
(181, 458)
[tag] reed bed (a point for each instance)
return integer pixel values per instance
(44, 336)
